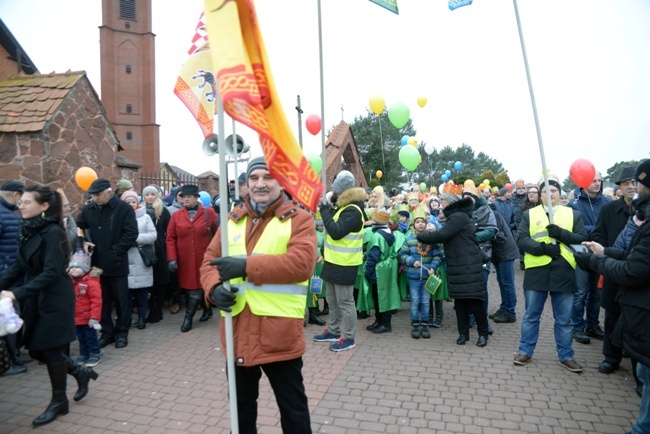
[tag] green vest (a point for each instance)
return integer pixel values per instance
(348, 251)
(563, 217)
(282, 300)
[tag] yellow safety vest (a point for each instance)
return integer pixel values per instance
(286, 300)
(563, 217)
(348, 251)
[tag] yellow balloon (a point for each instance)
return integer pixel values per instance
(379, 174)
(486, 182)
(412, 141)
(377, 104)
(422, 100)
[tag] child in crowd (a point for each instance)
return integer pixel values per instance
(421, 260)
(88, 307)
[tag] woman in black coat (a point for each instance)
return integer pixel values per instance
(464, 265)
(47, 295)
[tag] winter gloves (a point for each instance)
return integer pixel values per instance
(223, 298)
(552, 250)
(172, 266)
(583, 260)
(230, 267)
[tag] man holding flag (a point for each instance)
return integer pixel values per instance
(273, 246)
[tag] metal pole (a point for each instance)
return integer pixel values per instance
(234, 136)
(299, 110)
(537, 127)
(381, 142)
(223, 210)
(322, 100)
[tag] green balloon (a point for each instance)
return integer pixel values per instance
(399, 114)
(315, 162)
(423, 186)
(409, 157)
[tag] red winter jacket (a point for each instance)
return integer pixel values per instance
(88, 292)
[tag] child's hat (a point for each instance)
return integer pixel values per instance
(381, 216)
(81, 260)
(420, 213)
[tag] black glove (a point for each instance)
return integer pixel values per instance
(334, 198)
(554, 231)
(583, 259)
(172, 266)
(222, 298)
(230, 267)
(552, 250)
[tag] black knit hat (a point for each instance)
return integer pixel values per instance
(643, 173)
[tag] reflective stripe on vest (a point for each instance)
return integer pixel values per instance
(348, 251)
(563, 217)
(281, 300)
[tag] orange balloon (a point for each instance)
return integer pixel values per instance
(84, 176)
(379, 174)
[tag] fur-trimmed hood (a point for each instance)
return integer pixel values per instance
(351, 195)
(95, 272)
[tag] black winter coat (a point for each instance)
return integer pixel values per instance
(113, 230)
(558, 275)
(47, 295)
(160, 269)
(504, 246)
(350, 220)
(463, 256)
(632, 273)
(611, 221)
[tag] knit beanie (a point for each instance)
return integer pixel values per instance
(643, 173)
(129, 193)
(81, 260)
(256, 163)
(149, 189)
(450, 198)
(343, 181)
(503, 191)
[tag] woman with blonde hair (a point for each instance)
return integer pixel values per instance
(160, 216)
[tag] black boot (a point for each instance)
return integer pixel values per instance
(326, 309)
(375, 324)
(207, 312)
(415, 330)
(82, 374)
(385, 326)
(59, 403)
(313, 317)
(192, 305)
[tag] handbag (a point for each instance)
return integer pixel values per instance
(148, 255)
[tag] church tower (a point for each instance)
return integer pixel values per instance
(127, 57)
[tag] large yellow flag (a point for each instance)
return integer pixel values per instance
(194, 85)
(249, 96)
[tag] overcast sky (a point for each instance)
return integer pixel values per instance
(589, 64)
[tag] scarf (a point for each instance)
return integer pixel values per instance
(32, 226)
(403, 226)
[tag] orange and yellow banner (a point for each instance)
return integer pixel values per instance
(248, 92)
(194, 85)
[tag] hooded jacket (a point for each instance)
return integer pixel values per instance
(260, 340)
(589, 207)
(350, 220)
(464, 261)
(88, 292)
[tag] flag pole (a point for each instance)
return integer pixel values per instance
(223, 212)
(537, 127)
(322, 101)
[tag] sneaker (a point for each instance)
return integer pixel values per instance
(597, 333)
(326, 336)
(498, 312)
(424, 331)
(571, 365)
(81, 360)
(437, 323)
(580, 337)
(521, 359)
(93, 360)
(342, 345)
(503, 318)
(430, 322)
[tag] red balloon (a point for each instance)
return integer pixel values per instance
(508, 186)
(313, 124)
(582, 172)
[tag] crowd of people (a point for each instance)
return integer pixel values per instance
(128, 258)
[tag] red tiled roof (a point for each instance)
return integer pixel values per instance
(28, 102)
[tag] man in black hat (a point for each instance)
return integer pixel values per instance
(10, 193)
(630, 269)
(611, 221)
(108, 229)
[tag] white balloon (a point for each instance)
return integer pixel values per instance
(429, 148)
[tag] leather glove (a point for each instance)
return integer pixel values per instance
(172, 266)
(552, 250)
(222, 298)
(554, 231)
(583, 260)
(230, 267)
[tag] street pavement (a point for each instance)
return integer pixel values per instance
(166, 381)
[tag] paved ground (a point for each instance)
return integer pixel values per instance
(172, 382)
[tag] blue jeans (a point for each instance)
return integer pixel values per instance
(419, 300)
(562, 303)
(587, 297)
(643, 421)
(506, 278)
(88, 343)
